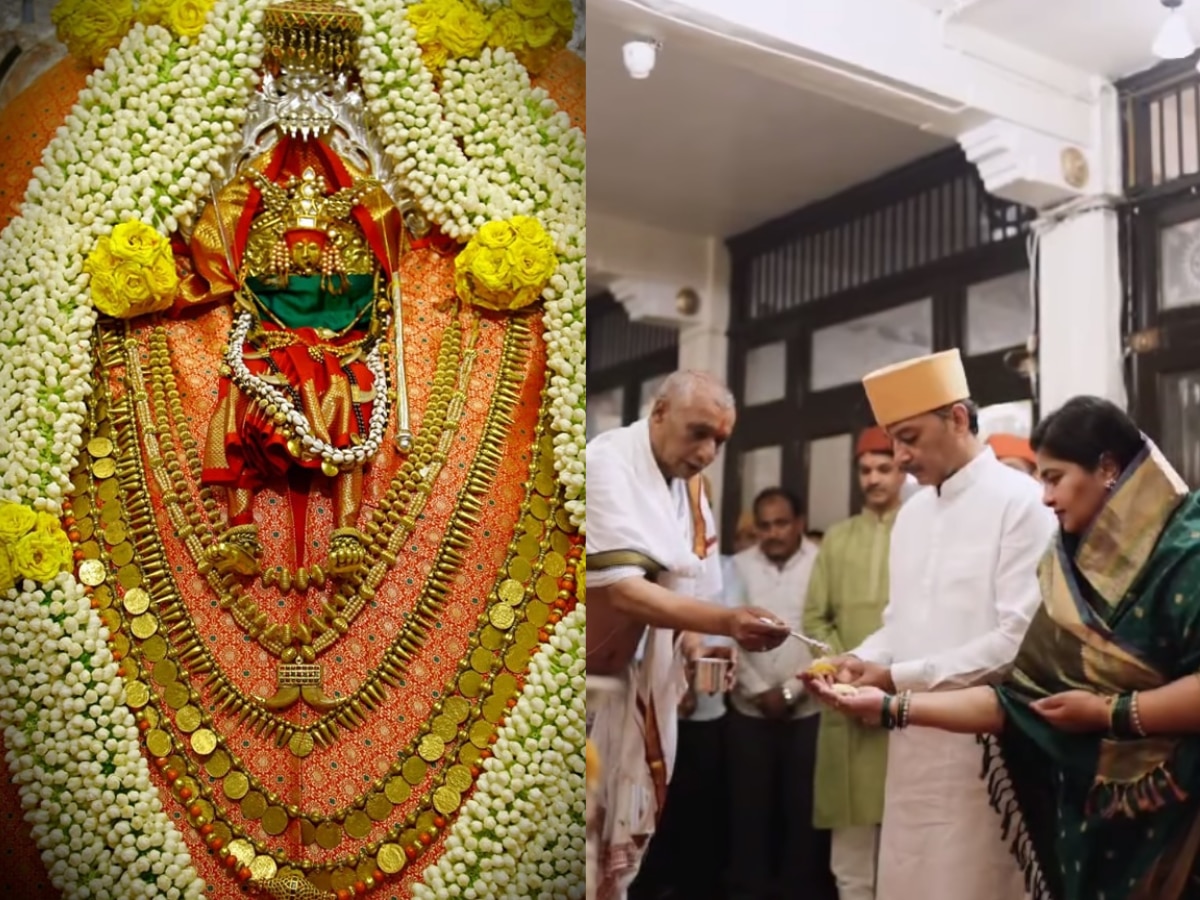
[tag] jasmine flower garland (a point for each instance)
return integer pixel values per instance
(143, 142)
(519, 156)
(73, 753)
(521, 836)
(175, 106)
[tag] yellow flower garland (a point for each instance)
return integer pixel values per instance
(32, 545)
(506, 265)
(133, 272)
(532, 30)
(91, 28)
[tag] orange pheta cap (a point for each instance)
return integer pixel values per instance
(873, 440)
(1009, 446)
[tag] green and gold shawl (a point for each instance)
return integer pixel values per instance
(1100, 818)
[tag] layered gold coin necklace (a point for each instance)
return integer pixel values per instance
(171, 674)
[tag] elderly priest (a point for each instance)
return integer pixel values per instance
(653, 566)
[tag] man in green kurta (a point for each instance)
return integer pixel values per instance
(846, 598)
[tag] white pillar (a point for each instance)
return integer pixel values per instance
(703, 342)
(1080, 348)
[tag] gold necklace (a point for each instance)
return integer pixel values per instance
(468, 684)
(196, 656)
(401, 847)
(412, 485)
(350, 712)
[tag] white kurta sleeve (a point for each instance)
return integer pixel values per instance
(876, 648)
(608, 577)
(1027, 530)
(613, 523)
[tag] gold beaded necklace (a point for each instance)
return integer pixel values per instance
(386, 853)
(315, 632)
(196, 656)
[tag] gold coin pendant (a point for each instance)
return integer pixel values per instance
(136, 601)
(390, 859)
(301, 744)
(137, 694)
(204, 741)
(158, 742)
(236, 785)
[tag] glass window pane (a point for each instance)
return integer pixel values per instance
(1189, 161)
(648, 391)
(604, 411)
(1007, 418)
(1179, 259)
(1179, 396)
(999, 314)
(761, 468)
(844, 353)
(830, 470)
(766, 374)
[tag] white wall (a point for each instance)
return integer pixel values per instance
(645, 268)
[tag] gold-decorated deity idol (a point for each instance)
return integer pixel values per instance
(318, 514)
(308, 247)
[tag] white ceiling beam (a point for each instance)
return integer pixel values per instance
(622, 247)
(894, 57)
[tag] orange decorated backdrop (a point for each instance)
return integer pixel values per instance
(26, 126)
(28, 123)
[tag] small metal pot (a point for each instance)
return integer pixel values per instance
(710, 674)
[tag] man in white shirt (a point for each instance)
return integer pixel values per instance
(963, 589)
(773, 724)
(652, 558)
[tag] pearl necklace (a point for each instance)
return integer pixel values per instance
(293, 421)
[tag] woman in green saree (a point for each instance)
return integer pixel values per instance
(1092, 743)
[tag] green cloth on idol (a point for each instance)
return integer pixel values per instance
(846, 598)
(304, 303)
(1102, 817)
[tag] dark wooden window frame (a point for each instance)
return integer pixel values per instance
(1138, 94)
(802, 415)
(629, 372)
(1160, 342)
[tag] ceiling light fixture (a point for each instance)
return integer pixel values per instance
(1174, 38)
(640, 56)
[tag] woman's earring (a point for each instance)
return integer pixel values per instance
(1110, 483)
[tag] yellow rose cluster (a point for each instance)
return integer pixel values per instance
(532, 30)
(506, 265)
(184, 18)
(133, 272)
(32, 545)
(90, 28)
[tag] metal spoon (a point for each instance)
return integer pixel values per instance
(812, 642)
(825, 649)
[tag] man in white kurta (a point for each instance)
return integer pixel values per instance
(963, 589)
(773, 723)
(652, 552)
